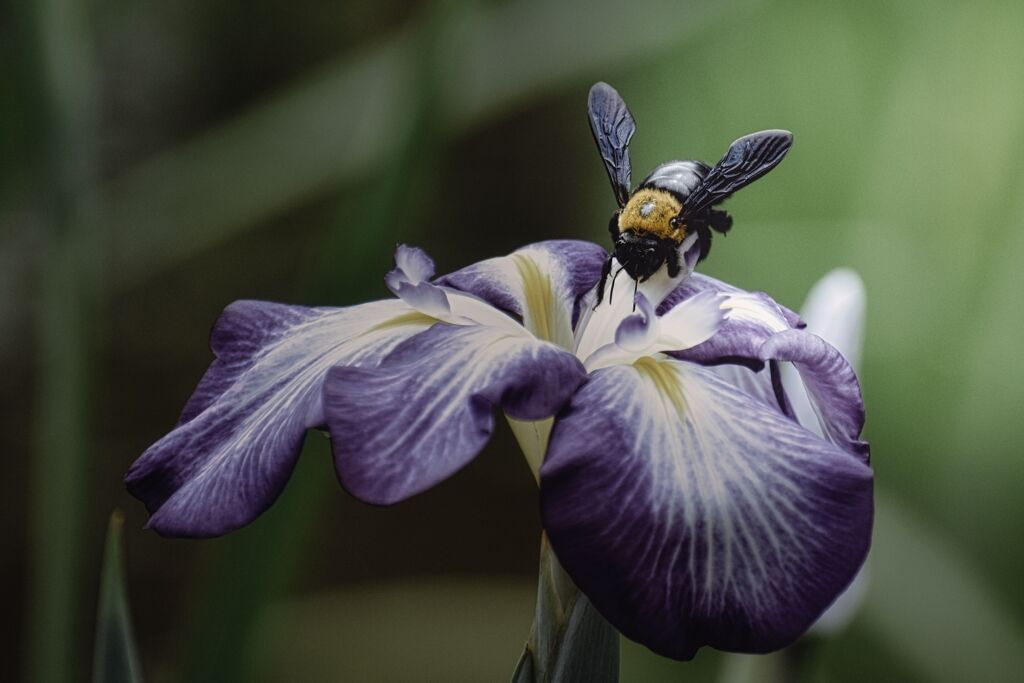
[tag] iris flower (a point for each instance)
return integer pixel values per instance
(677, 487)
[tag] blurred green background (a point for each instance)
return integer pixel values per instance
(161, 160)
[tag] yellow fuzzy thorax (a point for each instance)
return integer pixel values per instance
(649, 211)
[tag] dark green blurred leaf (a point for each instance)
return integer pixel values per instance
(250, 569)
(69, 287)
(640, 665)
(350, 117)
(115, 660)
(435, 629)
(927, 603)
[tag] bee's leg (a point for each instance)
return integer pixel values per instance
(605, 270)
(719, 220)
(672, 261)
(613, 227)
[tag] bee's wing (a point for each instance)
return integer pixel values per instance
(748, 159)
(613, 126)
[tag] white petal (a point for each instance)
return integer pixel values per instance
(749, 307)
(597, 326)
(691, 322)
(834, 310)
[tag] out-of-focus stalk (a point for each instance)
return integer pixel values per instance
(67, 296)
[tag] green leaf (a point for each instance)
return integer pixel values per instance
(115, 658)
(441, 628)
(928, 603)
(349, 118)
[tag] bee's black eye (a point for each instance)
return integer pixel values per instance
(674, 222)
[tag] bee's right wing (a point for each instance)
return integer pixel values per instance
(748, 159)
(613, 126)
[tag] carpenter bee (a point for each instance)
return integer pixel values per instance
(678, 198)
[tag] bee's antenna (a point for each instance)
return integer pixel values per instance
(611, 293)
(606, 269)
(635, 283)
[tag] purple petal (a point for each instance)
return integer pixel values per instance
(639, 330)
(414, 262)
(691, 514)
(755, 383)
(834, 310)
(412, 266)
(541, 283)
(409, 282)
(427, 410)
(745, 337)
(831, 385)
(698, 282)
(750, 319)
(240, 434)
(426, 298)
(692, 255)
(242, 329)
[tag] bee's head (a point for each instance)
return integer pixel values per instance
(651, 211)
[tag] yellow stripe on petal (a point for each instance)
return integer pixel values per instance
(410, 318)
(663, 375)
(545, 314)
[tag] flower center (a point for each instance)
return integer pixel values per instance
(599, 325)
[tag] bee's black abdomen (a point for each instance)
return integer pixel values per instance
(678, 177)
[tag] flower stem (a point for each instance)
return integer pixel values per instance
(570, 640)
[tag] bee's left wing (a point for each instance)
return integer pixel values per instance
(748, 159)
(613, 126)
